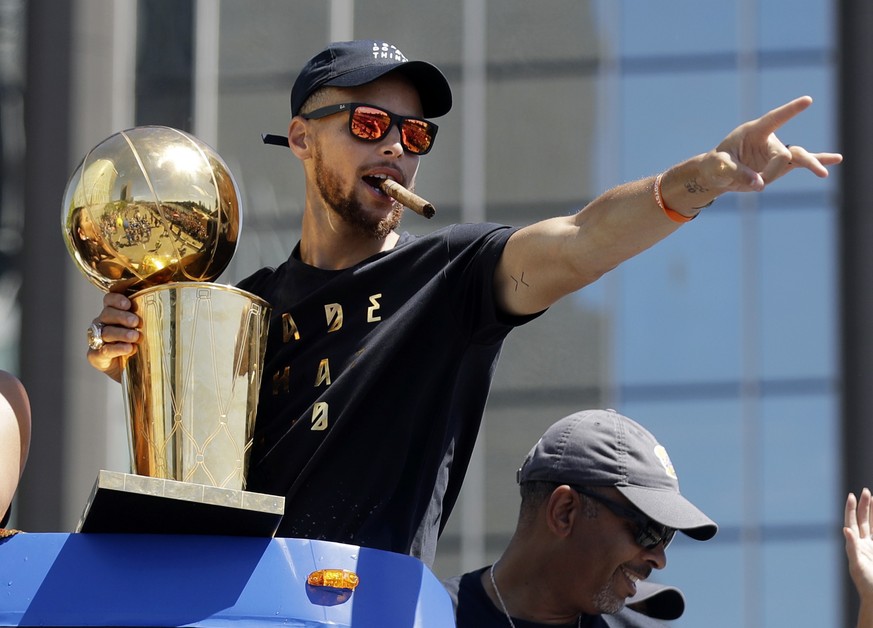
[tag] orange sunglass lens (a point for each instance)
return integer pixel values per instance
(369, 124)
(416, 135)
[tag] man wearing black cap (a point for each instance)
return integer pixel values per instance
(382, 345)
(600, 504)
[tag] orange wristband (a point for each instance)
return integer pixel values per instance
(672, 214)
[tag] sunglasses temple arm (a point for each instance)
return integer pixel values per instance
(410, 199)
(276, 140)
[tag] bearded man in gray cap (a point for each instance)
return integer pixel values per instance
(382, 344)
(600, 503)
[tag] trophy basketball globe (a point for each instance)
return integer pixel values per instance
(154, 213)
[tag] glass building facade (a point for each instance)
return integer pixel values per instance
(723, 339)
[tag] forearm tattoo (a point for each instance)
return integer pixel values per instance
(693, 187)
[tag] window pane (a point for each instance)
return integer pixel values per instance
(798, 293)
(803, 580)
(679, 319)
(799, 473)
(667, 117)
(812, 26)
(679, 26)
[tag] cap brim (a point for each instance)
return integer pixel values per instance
(671, 509)
(659, 601)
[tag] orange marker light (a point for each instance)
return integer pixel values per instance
(334, 578)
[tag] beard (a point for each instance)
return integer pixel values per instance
(349, 208)
(607, 602)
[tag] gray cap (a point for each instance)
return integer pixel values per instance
(604, 448)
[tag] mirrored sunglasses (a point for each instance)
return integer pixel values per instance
(370, 123)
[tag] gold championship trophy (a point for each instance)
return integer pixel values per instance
(154, 213)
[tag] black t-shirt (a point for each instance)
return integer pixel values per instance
(474, 609)
(374, 384)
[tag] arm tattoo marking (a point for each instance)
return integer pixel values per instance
(519, 281)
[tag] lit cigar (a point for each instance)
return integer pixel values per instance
(410, 199)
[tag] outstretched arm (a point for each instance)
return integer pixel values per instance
(552, 258)
(859, 550)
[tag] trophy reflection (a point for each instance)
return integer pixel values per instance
(154, 213)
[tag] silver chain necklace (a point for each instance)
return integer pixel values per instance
(503, 604)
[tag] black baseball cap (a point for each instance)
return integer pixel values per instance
(358, 62)
(604, 448)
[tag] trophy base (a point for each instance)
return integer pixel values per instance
(138, 504)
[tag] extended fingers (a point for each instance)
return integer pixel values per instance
(784, 159)
(757, 157)
(859, 513)
(775, 118)
(850, 520)
(814, 162)
(864, 514)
